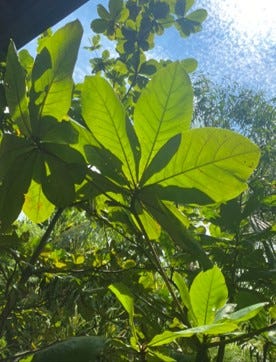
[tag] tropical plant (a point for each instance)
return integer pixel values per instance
(122, 196)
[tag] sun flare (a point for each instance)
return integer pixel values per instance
(250, 17)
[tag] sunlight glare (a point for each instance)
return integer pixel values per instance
(250, 18)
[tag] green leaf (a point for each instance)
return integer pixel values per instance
(99, 25)
(103, 13)
(150, 226)
(36, 207)
(13, 187)
(178, 194)
(163, 110)
(125, 297)
(162, 157)
(189, 65)
(105, 117)
(52, 75)
(58, 187)
(11, 148)
(57, 132)
(105, 162)
(215, 161)
(26, 60)
(154, 356)
(169, 336)
(81, 349)
(246, 313)
(177, 231)
(208, 293)
(73, 160)
(15, 87)
(184, 294)
(198, 16)
(115, 7)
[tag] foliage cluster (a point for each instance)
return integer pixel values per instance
(148, 233)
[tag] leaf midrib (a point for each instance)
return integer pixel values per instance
(117, 134)
(201, 166)
(160, 124)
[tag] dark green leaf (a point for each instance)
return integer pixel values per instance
(15, 85)
(53, 131)
(103, 13)
(176, 230)
(178, 194)
(105, 162)
(58, 185)
(73, 160)
(81, 349)
(115, 7)
(13, 187)
(162, 157)
(99, 25)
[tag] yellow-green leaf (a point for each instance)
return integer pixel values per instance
(36, 205)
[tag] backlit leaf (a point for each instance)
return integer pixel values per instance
(52, 74)
(246, 313)
(215, 161)
(163, 110)
(184, 294)
(208, 293)
(169, 336)
(105, 117)
(36, 205)
(125, 297)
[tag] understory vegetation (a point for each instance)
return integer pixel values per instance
(136, 207)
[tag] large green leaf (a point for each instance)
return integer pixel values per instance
(105, 117)
(208, 293)
(163, 110)
(15, 87)
(215, 161)
(52, 82)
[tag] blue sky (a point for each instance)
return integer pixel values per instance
(237, 43)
